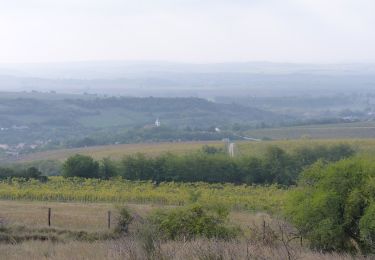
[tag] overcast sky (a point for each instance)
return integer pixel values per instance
(202, 31)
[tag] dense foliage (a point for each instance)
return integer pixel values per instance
(81, 166)
(334, 205)
(276, 166)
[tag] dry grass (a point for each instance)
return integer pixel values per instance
(91, 217)
(128, 248)
(118, 151)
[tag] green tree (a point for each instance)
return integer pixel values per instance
(33, 173)
(333, 205)
(107, 168)
(278, 166)
(81, 166)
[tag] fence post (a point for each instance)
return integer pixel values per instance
(109, 219)
(49, 217)
(264, 230)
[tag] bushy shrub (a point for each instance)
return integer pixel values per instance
(333, 205)
(367, 226)
(193, 221)
(208, 149)
(124, 219)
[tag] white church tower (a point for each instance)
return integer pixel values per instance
(157, 122)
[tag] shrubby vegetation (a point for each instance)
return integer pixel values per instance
(334, 205)
(124, 219)
(194, 221)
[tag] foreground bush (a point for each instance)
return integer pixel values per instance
(194, 221)
(334, 205)
(124, 220)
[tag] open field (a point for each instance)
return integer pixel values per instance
(118, 151)
(324, 131)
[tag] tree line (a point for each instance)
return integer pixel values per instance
(210, 165)
(27, 173)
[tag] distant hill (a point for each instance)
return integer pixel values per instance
(40, 118)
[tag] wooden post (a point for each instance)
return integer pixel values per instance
(301, 241)
(49, 217)
(264, 230)
(109, 219)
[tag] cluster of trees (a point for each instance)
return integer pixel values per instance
(28, 173)
(334, 205)
(210, 165)
(86, 167)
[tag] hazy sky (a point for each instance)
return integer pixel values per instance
(188, 30)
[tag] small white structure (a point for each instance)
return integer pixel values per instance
(157, 122)
(231, 147)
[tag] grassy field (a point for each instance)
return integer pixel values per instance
(91, 217)
(83, 217)
(65, 215)
(326, 131)
(118, 151)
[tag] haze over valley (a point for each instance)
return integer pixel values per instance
(186, 129)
